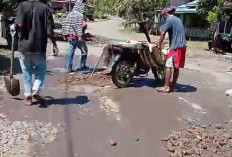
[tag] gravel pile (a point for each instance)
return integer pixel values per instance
(17, 138)
(95, 40)
(98, 79)
(201, 141)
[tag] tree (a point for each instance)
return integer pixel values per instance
(7, 5)
(136, 11)
(143, 12)
(108, 6)
(10, 5)
(205, 6)
(213, 12)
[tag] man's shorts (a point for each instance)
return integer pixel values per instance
(176, 58)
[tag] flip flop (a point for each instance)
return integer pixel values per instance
(162, 90)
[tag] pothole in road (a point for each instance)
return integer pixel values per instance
(98, 79)
(200, 140)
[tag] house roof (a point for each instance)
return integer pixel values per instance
(179, 2)
(190, 7)
(63, 1)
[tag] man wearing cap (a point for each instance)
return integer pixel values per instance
(177, 50)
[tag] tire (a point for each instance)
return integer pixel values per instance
(159, 73)
(121, 74)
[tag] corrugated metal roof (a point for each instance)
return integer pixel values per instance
(179, 2)
(62, 1)
(187, 8)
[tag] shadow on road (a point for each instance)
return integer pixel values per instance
(79, 100)
(49, 73)
(182, 88)
(148, 82)
(90, 70)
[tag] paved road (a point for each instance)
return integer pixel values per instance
(91, 119)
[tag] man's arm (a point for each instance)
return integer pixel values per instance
(50, 27)
(162, 37)
(19, 14)
(51, 34)
(163, 30)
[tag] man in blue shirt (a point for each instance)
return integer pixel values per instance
(177, 42)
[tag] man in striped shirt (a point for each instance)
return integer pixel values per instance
(72, 30)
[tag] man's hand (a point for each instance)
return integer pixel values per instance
(80, 38)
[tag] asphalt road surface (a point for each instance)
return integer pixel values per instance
(134, 118)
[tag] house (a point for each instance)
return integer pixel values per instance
(196, 27)
(186, 11)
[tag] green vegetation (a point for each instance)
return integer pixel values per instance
(139, 12)
(213, 12)
(7, 5)
(108, 6)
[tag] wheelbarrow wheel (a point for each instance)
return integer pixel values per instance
(121, 74)
(159, 73)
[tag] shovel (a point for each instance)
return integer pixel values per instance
(95, 67)
(12, 84)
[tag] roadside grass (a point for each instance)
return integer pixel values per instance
(198, 49)
(197, 45)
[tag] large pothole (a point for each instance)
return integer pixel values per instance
(97, 79)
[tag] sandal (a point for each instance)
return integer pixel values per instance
(162, 90)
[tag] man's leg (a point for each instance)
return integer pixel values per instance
(166, 88)
(40, 72)
(179, 63)
(175, 78)
(72, 48)
(168, 76)
(39, 62)
(84, 51)
(27, 70)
